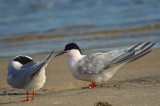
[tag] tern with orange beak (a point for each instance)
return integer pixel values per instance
(100, 67)
(25, 73)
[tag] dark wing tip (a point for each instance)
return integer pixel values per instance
(48, 57)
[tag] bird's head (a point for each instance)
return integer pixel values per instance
(70, 49)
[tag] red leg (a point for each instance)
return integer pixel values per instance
(33, 95)
(27, 97)
(92, 85)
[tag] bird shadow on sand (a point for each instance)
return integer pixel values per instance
(12, 94)
(7, 103)
(128, 83)
(143, 81)
(3, 94)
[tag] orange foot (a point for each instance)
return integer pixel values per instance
(33, 95)
(25, 100)
(27, 97)
(92, 85)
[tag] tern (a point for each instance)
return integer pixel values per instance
(99, 67)
(25, 73)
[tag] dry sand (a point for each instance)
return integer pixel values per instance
(136, 84)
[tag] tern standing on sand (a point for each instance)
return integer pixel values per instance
(99, 67)
(25, 73)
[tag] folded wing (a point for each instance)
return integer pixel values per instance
(98, 62)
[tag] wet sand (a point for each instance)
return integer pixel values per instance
(136, 84)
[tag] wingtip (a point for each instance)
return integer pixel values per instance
(150, 42)
(147, 44)
(152, 45)
(51, 52)
(48, 57)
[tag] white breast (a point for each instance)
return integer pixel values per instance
(72, 65)
(37, 81)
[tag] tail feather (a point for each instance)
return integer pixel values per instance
(143, 45)
(48, 57)
(134, 46)
(141, 52)
(44, 62)
(132, 53)
(139, 56)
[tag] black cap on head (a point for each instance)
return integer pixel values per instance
(23, 59)
(71, 46)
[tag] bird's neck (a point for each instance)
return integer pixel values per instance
(74, 54)
(72, 60)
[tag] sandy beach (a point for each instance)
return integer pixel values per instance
(136, 84)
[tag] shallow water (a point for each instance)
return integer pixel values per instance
(35, 27)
